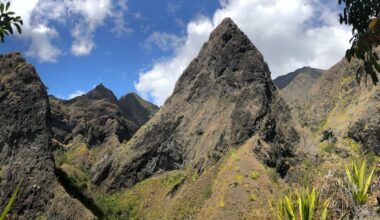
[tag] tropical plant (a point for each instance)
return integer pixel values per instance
(306, 203)
(7, 19)
(359, 181)
(364, 17)
(10, 203)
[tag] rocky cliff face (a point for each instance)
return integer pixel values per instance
(222, 99)
(100, 92)
(25, 146)
(98, 117)
(136, 109)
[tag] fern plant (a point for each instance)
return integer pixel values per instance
(10, 203)
(306, 204)
(359, 181)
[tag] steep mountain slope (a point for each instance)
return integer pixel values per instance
(222, 99)
(88, 128)
(98, 117)
(136, 109)
(335, 101)
(308, 72)
(100, 92)
(26, 153)
(296, 85)
(350, 109)
(343, 118)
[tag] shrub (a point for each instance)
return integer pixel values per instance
(306, 203)
(255, 175)
(238, 178)
(359, 181)
(353, 145)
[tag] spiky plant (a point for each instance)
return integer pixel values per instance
(306, 204)
(359, 181)
(285, 209)
(11, 201)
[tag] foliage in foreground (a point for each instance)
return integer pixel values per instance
(305, 203)
(10, 203)
(7, 19)
(364, 17)
(359, 181)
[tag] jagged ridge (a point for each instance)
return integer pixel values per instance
(222, 99)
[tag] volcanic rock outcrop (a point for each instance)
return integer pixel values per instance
(98, 117)
(222, 99)
(136, 109)
(25, 147)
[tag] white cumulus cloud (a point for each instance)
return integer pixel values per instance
(82, 17)
(290, 34)
(162, 40)
(159, 81)
(76, 94)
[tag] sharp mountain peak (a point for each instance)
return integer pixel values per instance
(228, 57)
(101, 92)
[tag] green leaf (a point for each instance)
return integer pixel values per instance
(2, 37)
(368, 182)
(9, 28)
(1, 7)
(7, 7)
(11, 201)
(360, 183)
(326, 205)
(18, 28)
(361, 175)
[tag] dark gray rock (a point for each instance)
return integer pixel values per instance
(222, 99)
(366, 131)
(85, 120)
(25, 144)
(365, 128)
(98, 117)
(136, 109)
(101, 171)
(328, 135)
(101, 92)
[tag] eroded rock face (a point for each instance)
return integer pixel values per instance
(25, 144)
(89, 121)
(366, 128)
(222, 99)
(136, 109)
(98, 117)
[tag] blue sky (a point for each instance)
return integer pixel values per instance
(144, 45)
